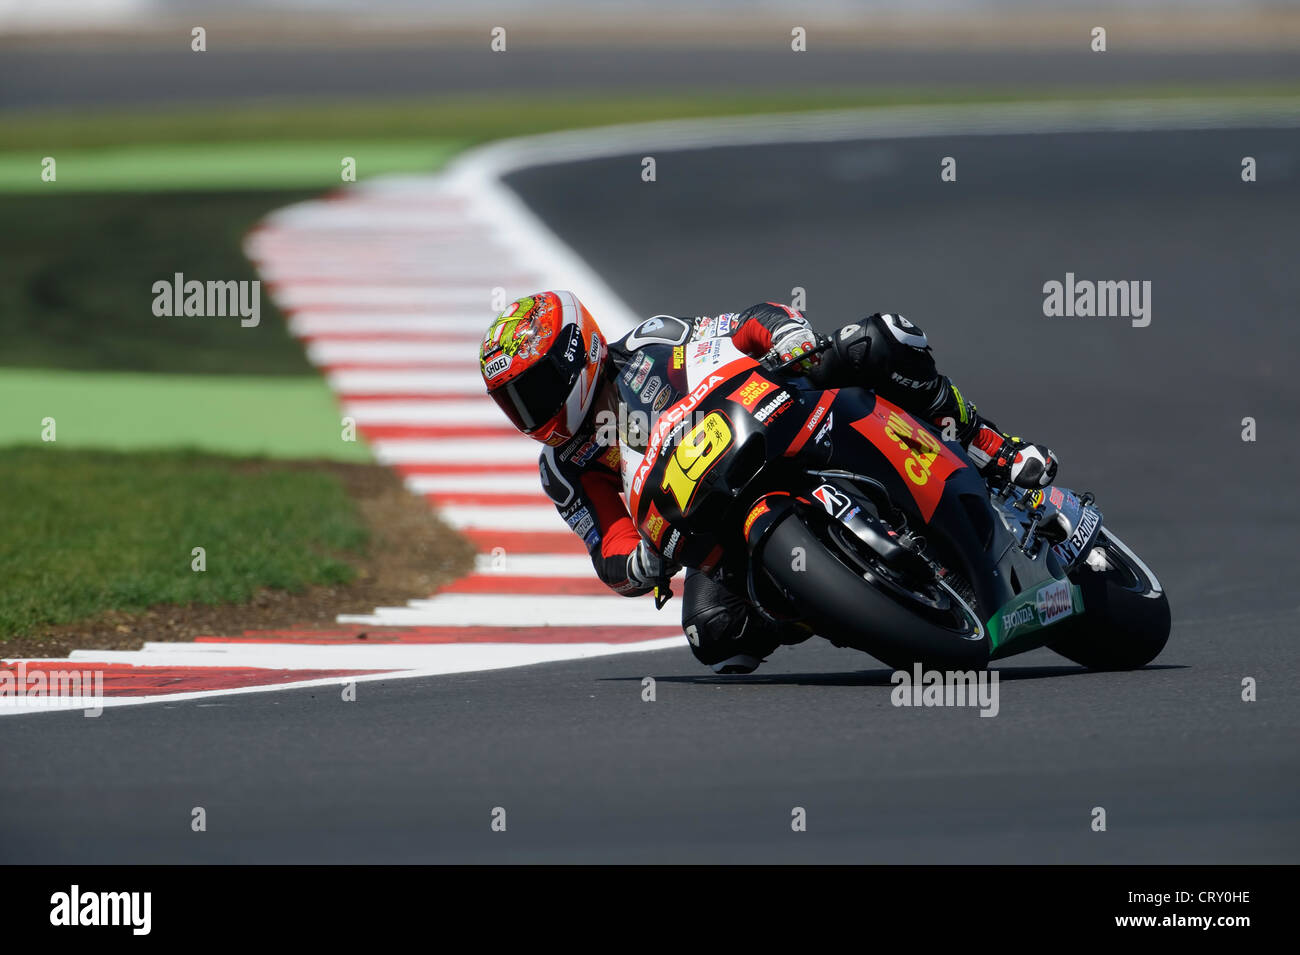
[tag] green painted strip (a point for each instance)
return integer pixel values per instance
(205, 166)
(281, 417)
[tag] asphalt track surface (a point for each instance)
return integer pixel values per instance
(75, 77)
(1148, 418)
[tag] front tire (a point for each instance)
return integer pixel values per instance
(840, 603)
(1126, 621)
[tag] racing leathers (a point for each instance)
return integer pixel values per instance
(883, 352)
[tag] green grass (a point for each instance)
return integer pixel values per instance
(216, 166)
(91, 531)
(272, 417)
(482, 117)
(76, 277)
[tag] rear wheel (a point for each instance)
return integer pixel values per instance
(852, 598)
(1125, 623)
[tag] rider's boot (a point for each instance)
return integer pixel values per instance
(725, 633)
(739, 664)
(1002, 458)
(999, 457)
(757, 641)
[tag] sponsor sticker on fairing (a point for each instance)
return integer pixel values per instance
(774, 408)
(707, 350)
(710, 326)
(654, 525)
(670, 548)
(1021, 615)
(830, 423)
(815, 417)
(831, 499)
(1054, 601)
(1068, 550)
(749, 394)
(916, 454)
(755, 513)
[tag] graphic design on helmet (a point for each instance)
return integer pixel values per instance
(541, 360)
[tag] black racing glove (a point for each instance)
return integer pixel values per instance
(850, 347)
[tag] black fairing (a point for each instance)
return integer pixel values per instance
(961, 532)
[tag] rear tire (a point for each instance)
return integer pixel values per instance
(842, 606)
(1125, 622)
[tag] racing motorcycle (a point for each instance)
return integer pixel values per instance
(837, 509)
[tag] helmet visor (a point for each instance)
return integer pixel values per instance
(538, 395)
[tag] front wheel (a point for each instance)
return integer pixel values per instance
(853, 599)
(1125, 622)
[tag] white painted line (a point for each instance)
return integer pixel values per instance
(540, 517)
(534, 565)
(451, 657)
(460, 658)
(409, 382)
(450, 326)
(278, 245)
(481, 412)
(411, 352)
(485, 451)
(460, 295)
(539, 565)
(362, 218)
(512, 610)
(406, 253)
(472, 483)
(358, 275)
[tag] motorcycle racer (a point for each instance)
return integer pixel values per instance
(549, 368)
